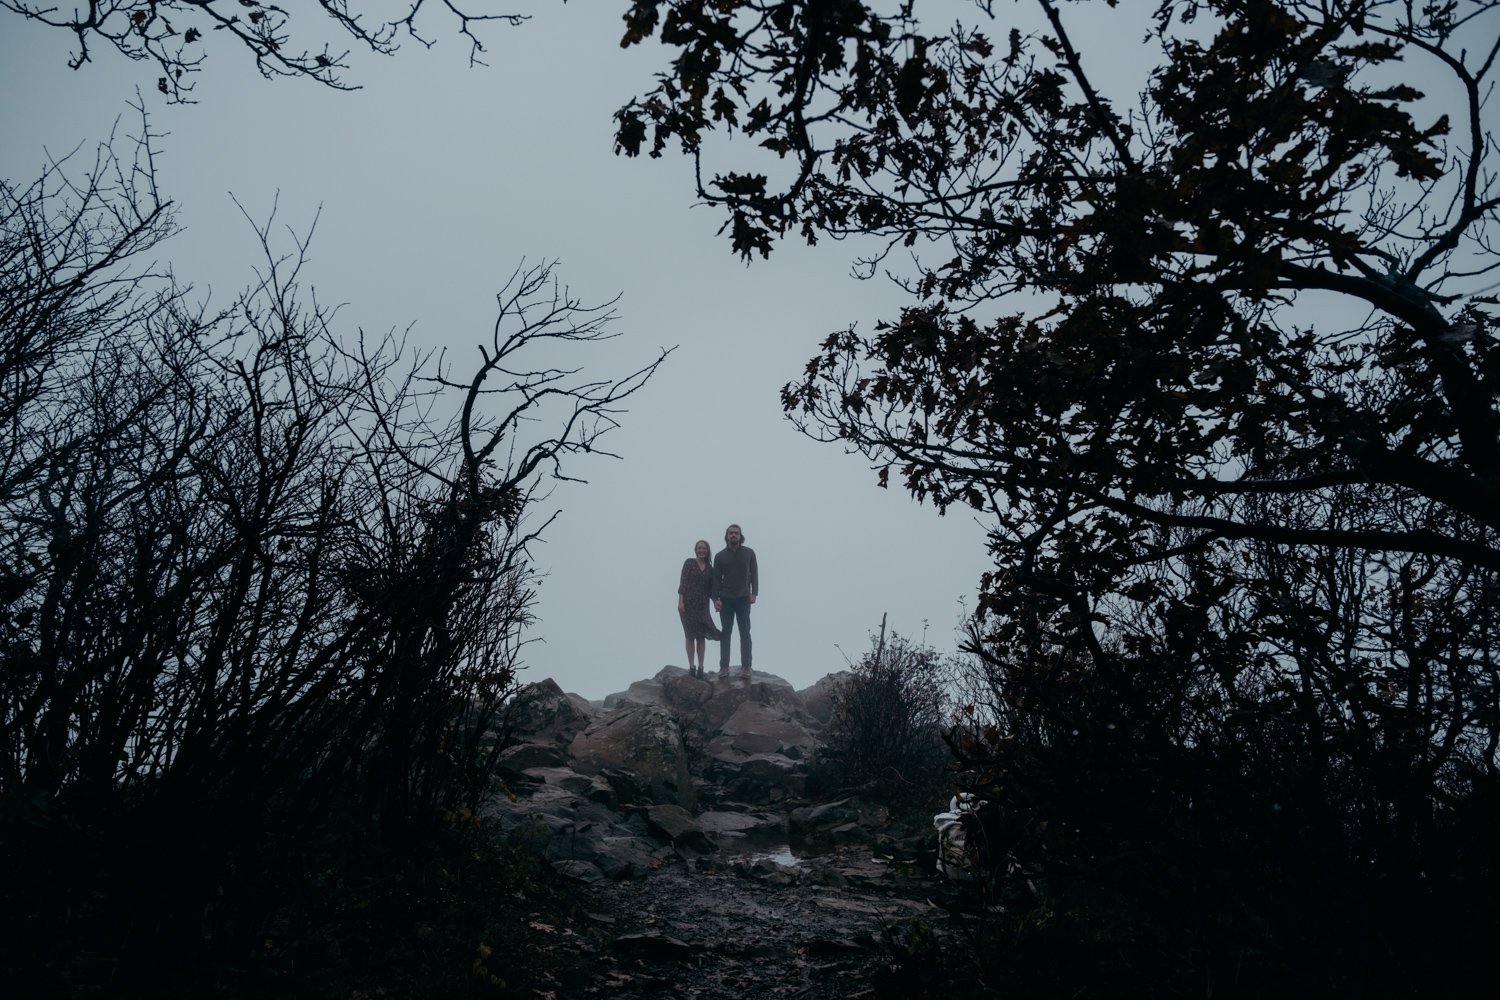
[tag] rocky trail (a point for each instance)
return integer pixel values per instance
(753, 929)
(671, 805)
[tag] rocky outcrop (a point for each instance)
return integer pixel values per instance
(543, 713)
(761, 752)
(645, 739)
(610, 792)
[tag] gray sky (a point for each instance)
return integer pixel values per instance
(434, 181)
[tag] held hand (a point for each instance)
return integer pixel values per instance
(718, 604)
(752, 598)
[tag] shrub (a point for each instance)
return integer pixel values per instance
(886, 729)
(255, 580)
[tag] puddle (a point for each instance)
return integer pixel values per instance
(760, 848)
(783, 857)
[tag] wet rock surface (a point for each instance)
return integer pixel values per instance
(752, 927)
(670, 806)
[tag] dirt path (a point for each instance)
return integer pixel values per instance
(747, 929)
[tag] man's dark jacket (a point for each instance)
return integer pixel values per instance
(735, 574)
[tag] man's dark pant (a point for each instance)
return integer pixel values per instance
(732, 608)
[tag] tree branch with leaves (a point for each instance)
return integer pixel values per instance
(174, 35)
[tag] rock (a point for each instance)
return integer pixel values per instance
(642, 692)
(760, 753)
(741, 825)
(844, 833)
(825, 875)
(818, 700)
(628, 788)
(653, 946)
(578, 784)
(767, 778)
(758, 727)
(820, 947)
(728, 696)
(685, 696)
(647, 740)
(847, 820)
(517, 759)
(672, 688)
(678, 828)
(582, 871)
(561, 824)
(532, 821)
(768, 871)
(602, 792)
(544, 713)
(618, 856)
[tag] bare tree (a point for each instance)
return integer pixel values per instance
(251, 571)
(174, 34)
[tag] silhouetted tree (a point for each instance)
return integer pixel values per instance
(175, 34)
(1216, 358)
(1154, 374)
(255, 577)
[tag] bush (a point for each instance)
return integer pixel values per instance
(885, 733)
(1226, 792)
(255, 588)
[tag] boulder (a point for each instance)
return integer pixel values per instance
(564, 777)
(583, 871)
(760, 754)
(513, 761)
(534, 820)
(543, 713)
(624, 788)
(818, 700)
(562, 824)
(844, 821)
(768, 871)
(653, 946)
(685, 696)
(618, 855)
(725, 826)
(611, 794)
(645, 739)
(728, 696)
(672, 687)
(677, 827)
(642, 692)
(768, 778)
(760, 727)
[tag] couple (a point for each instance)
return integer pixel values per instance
(731, 582)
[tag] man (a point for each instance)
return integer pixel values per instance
(735, 582)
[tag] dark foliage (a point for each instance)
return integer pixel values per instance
(254, 587)
(175, 35)
(886, 731)
(1215, 357)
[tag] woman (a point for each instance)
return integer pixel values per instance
(692, 605)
